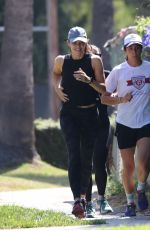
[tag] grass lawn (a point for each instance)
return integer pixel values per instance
(18, 217)
(33, 176)
(36, 176)
(131, 228)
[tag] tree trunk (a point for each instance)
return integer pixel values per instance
(102, 26)
(16, 85)
(52, 41)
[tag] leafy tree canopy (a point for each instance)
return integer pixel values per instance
(125, 12)
(70, 14)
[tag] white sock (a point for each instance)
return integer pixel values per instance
(130, 198)
(141, 186)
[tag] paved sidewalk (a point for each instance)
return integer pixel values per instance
(60, 199)
(57, 199)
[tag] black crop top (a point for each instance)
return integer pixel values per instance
(79, 93)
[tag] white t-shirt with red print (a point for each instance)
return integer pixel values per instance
(124, 79)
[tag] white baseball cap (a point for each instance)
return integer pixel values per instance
(77, 34)
(131, 39)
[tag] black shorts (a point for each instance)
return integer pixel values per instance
(127, 137)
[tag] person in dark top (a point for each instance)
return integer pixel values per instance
(78, 115)
(100, 154)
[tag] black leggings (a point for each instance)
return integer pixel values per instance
(80, 128)
(100, 157)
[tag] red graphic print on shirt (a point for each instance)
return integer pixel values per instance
(138, 82)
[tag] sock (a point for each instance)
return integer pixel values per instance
(141, 186)
(130, 198)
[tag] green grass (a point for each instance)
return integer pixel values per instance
(33, 176)
(141, 227)
(42, 175)
(18, 217)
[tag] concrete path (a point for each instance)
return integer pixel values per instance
(60, 199)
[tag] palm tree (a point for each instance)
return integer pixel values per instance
(102, 26)
(16, 85)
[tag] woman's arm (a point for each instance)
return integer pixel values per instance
(98, 83)
(56, 78)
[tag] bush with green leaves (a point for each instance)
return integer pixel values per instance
(50, 142)
(142, 23)
(143, 28)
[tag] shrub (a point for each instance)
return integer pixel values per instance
(50, 143)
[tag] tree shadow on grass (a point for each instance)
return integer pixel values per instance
(56, 180)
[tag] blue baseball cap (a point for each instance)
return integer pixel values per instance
(77, 34)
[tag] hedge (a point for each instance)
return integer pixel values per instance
(50, 142)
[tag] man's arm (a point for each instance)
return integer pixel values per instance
(56, 79)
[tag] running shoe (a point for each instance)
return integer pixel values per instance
(104, 206)
(79, 209)
(142, 200)
(90, 211)
(130, 210)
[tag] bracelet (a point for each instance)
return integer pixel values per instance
(90, 81)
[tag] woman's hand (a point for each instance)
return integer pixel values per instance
(80, 75)
(63, 97)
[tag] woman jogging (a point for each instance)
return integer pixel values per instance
(78, 116)
(131, 81)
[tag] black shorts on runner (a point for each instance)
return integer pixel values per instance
(127, 137)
